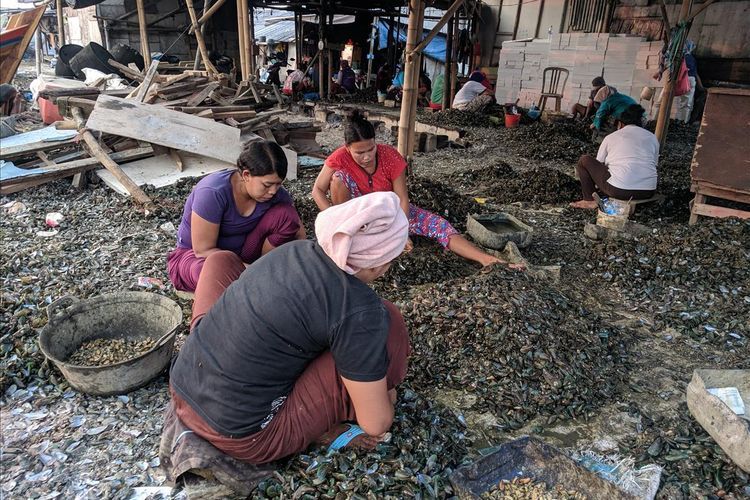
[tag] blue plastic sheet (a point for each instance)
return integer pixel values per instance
(434, 50)
(9, 171)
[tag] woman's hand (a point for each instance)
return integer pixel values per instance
(409, 245)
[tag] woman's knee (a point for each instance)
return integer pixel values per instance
(283, 220)
(221, 262)
(339, 190)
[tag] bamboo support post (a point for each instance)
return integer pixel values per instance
(321, 47)
(453, 84)
(60, 24)
(448, 63)
(245, 47)
(330, 60)
(143, 30)
(371, 54)
(210, 68)
(207, 14)
(251, 36)
(411, 60)
(667, 96)
(436, 29)
(38, 57)
(95, 149)
(241, 41)
(206, 5)
(417, 73)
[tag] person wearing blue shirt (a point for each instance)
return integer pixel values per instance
(613, 106)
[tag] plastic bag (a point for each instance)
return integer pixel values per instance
(682, 85)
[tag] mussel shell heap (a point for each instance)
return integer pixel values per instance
(694, 279)
(102, 352)
(520, 346)
(427, 442)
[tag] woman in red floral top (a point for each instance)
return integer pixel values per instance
(362, 166)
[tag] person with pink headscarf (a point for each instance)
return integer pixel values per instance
(298, 349)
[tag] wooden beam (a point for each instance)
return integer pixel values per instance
(700, 9)
(126, 70)
(143, 29)
(210, 12)
(93, 147)
(411, 61)
(67, 169)
(665, 18)
(60, 24)
(199, 37)
(436, 29)
(417, 73)
(142, 89)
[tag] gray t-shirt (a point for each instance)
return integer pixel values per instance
(242, 359)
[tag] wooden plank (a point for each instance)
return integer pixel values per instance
(201, 96)
(216, 96)
(726, 193)
(142, 89)
(215, 109)
(54, 94)
(12, 53)
(159, 125)
(175, 155)
(14, 151)
(62, 170)
(714, 211)
(126, 70)
(277, 94)
(237, 115)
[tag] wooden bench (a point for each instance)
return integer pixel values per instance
(633, 204)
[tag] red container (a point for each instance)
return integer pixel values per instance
(50, 113)
(512, 121)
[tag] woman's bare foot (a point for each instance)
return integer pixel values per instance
(363, 441)
(585, 204)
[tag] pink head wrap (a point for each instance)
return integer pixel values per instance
(363, 233)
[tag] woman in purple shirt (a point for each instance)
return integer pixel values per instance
(244, 212)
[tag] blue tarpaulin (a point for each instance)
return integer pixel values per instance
(434, 50)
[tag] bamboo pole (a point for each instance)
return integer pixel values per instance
(321, 47)
(94, 149)
(143, 29)
(417, 73)
(454, 63)
(251, 36)
(199, 37)
(447, 97)
(330, 59)
(210, 12)
(371, 55)
(60, 24)
(38, 51)
(246, 37)
(667, 96)
(409, 94)
(242, 35)
(206, 5)
(436, 29)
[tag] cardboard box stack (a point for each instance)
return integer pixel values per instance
(626, 62)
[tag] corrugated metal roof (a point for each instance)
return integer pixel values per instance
(282, 31)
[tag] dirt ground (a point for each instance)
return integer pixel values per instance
(109, 445)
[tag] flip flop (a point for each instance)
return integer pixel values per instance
(345, 437)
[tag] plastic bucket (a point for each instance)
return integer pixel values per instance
(512, 121)
(93, 56)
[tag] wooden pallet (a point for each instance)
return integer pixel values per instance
(699, 207)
